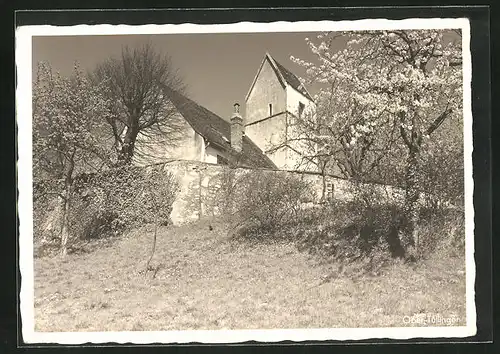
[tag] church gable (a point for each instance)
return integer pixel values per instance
(275, 98)
(267, 95)
(275, 90)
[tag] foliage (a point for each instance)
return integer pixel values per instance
(139, 108)
(125, 197)
(257, 203)
(70, 149)
(67, 124)
(359, 231)
(366, 239)
(340, 233)
(46, 215)
(203, 277)
(115, 200)
(66, 140)
(442, 232)
(442, 167)
(336, 136)
(399, 87)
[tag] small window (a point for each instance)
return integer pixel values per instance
(329, 190)
(222, 160)
(301, 108)
(270, 109)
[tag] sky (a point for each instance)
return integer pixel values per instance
(218, 69)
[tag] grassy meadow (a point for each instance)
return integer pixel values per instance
(206, 281)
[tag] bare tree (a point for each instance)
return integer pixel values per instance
(139, 107)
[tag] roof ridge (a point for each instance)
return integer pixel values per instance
(269, 58)
(295, 81)
(198, 105)
(276, 66)
(214, 128)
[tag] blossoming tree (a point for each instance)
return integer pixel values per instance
(67, 118)
(385, 87)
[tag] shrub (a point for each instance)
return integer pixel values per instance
(107, 203)
(360, 231)
(123, 198)
(363, 232)
(442, 232)
(46, 212)
(259, 203)
(340, 233)
(442, 166)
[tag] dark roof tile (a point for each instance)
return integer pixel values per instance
(217, 131)
(292, 80)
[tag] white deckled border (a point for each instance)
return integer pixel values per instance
(25, 204)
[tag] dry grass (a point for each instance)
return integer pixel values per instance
(207, 282)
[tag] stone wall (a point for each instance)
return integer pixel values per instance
(199, 183)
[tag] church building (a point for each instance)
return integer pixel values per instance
(275, 99)
(259, 140)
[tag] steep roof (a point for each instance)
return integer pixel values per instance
(293, 80)
(284, 75)
(217, 131)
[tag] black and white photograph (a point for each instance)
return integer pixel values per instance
(248, 181)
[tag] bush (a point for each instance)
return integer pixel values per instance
(364, 232)
(46, 212)
(442, 232)
(259, 203)
(442, 166)
(340, 233)
(359, 231)
(122, 198)
(107, 203)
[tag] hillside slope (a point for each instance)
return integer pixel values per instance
(206, 282)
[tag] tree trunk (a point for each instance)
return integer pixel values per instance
(68, 184)
(200, 196)
(127, 149)
(323, 189)
(65, 219)
(408, 225)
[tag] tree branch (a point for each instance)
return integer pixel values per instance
(438, 121)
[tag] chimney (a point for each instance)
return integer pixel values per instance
(236, 129)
